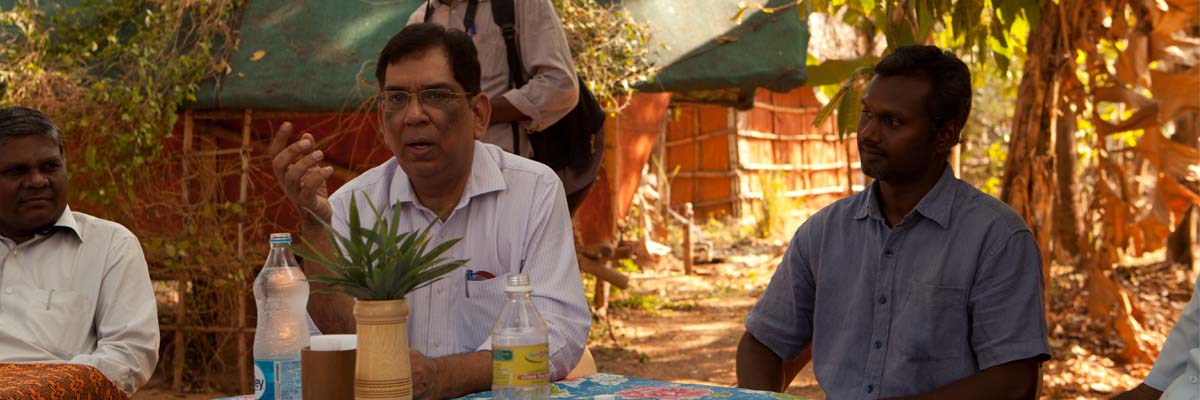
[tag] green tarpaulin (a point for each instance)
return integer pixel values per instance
(319, 56)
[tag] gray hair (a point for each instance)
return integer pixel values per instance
(21, 121)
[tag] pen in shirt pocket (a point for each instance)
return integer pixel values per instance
(473, 275)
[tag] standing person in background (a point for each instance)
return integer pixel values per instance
(76, 288)
(551, 90)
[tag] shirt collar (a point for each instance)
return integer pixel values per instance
(66, 222)
(485, 177)
(935, 205)
(869, 207)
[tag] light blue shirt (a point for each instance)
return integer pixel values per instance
(1177, 369)
(512, 218)
(953, 289)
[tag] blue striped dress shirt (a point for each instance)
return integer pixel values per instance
(953, 289)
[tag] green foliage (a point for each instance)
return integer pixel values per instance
(380, 262)
(627, 265)
(611, 49)
(776, 205)
(112, 74)
(649, 302)
(979, 30)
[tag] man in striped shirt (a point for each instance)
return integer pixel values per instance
(510, 212)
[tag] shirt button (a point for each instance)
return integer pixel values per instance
(870, 388)
(882, 299)
(1192, 379)
(7, 290)
(878, 344)
(888, 254)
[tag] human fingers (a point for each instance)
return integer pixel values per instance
(290, 154)
(280, 139)
(300, 166)
(312, 192)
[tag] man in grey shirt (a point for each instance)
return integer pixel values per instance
(920, 286)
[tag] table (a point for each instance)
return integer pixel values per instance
(56, 381)
(625, 387)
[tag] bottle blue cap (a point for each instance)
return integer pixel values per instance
(281, 238)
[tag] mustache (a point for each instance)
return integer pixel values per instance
(22, 198)
(862, 148)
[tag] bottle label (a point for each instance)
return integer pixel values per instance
(520, 366)
(277, 379)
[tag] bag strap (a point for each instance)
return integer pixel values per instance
(469, 17)
(505, 15)
(428, 10)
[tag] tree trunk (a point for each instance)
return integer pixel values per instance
(1067, 222)
(1029, 185)
(1027, 171)
(1181, 242)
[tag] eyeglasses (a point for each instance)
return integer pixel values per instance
(398, 100)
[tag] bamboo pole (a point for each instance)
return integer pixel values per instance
(695, 154)
(735, 183)
(849, 167)
(688, 247)
(240, 303)
(182, 283)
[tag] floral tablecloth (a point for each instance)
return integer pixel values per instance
(55, 381)
(624, 387)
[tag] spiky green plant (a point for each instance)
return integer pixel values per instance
(380, 262)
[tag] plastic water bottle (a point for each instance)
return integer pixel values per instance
(520, 346)
(281, 293)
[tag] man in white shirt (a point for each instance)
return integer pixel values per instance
(1176, 373)
(510, 212)
(75, 288)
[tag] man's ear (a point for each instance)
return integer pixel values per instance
(482, 110)
(947, 135)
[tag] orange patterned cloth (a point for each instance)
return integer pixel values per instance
(56, 381)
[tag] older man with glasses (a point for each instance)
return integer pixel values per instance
(511, 213)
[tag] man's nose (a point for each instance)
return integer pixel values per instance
(415, 113)
(867, 130)
(37, 179)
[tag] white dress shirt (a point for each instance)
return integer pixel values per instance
(551, 90)
(512, 218)
(1177, 369)
(80, 293)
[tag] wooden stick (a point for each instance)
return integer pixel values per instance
(603, 272)
(687, 238)
(243, 368)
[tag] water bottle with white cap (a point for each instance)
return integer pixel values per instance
(520, 346)
(281, 294)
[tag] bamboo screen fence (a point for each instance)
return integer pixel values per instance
(723, 157)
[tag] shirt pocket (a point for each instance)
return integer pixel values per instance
(57, 319)
(480, 309)
(932, 324)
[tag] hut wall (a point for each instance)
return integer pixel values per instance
(727, 160)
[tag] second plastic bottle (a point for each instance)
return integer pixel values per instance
(520, 346)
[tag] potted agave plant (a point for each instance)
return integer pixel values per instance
(378, 266)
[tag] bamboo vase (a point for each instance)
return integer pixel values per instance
(382, 369)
